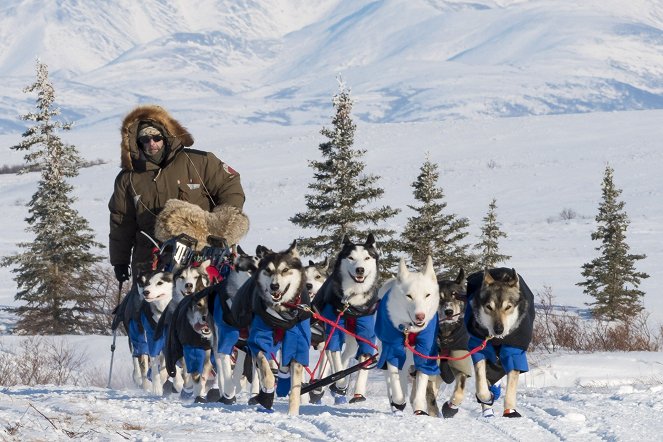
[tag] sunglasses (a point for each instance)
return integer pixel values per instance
(146, 139)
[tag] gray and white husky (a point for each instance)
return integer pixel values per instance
(156, 288)
(350, 296)
(408, 313)
(501, 308)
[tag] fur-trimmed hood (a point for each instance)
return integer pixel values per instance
(177, 136)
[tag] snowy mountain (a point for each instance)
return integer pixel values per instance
(275, 61)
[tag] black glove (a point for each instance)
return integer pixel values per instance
(122, 272)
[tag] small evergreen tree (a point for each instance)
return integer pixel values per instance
(488, 247)
(341, 191)
(54, 271)
(432, 232)
(611, 279)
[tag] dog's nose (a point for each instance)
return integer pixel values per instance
(204, 317)
(359, 270)
(420, 316)
(449, 312)
(146, 292)
(309, 286)
(499, 328)
(188, 286)
(274, 286)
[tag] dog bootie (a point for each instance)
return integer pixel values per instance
(265, 399)
(229, 400)
(253, 400)
(339, 394)
(200, 400)
(397, 408)
(213, 395)
(283, 384)
(315, 396)
(186, 394)
(168, 388)
(511, 412)
(357, 398)
(420, 413)
(488, 413)
(449, 410)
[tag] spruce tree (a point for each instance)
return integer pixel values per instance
(433, 232)
(54, 270)
(488, 247)
(341, 191)
(611, 279)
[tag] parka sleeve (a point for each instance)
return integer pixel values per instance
(123, 223)
(223, 183)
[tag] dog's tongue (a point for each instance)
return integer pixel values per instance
(202, 327)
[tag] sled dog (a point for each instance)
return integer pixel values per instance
(408, 314)
(315, 275)
(189, 339)
(156, 288)
(349, 295)
(275, 303)
(500, 307)
(452, 341)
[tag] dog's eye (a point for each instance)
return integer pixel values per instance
(318, 277)
(160, 282)
(508, 307)
(285, 270)
(489, 307)
(427, 295)
(409, 297)
(367, 258)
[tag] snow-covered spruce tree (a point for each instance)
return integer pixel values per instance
(432, 232)
(488, 246)
(54, 270)
(611, 279)
(340, 193)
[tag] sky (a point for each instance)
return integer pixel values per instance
(520, 100)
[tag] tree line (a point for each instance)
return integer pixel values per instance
(58, 273)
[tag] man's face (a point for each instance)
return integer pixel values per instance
(151, 144)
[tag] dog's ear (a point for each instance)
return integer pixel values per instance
(311, 263)
(461, 276)
(370, 241)
(167, 276)
(487, 278)
(403, 272)
(346, 240)
(429, 271)
(293, 249)
(514, 280)
(324, 265)
(240, 251)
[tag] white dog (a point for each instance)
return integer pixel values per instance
(408, 311)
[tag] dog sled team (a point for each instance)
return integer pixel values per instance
(210, 329)
(207, 321)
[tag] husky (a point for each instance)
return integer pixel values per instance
(315, 275)
(226, 340)
(500, 308)
(156, 288)
(452, 342)
(275, 303)
(189, 339)
(408, 314)
(349, 297)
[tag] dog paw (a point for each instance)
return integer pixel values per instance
(213, 395)
(168, 388)
(488, 402)
(184, 394)
(253, 400)
(340, 400)
(200, 400)
(420, 413)
(357, 398)
(449, 410)
(315, 396)
(511, 412)
(265, 399)
(397, 407)
(336, 391)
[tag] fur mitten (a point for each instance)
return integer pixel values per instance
(178, 217)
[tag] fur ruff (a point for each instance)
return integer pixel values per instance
(182, 217)
(159, 118)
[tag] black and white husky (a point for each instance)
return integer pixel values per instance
(500, 307)
(408, 315)
(156, 288)
(350, 296)
(276, 306)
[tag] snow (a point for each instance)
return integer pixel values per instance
(253, 81)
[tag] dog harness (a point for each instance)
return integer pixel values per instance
(393, 343)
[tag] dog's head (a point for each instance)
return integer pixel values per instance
(192, 279)
(414, 297)
(314, 275)
(280, 277)
(198, 314)
(498, 305)
(357, 265)
(453, 295)
(244, 262)
(156, 287)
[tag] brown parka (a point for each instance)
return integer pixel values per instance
(142, 188)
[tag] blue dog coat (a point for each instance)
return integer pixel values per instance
(364, 327)
(511, 358)
(154, 346)
(228, 335)
(138, 340)
(295, 344)
(393, 343)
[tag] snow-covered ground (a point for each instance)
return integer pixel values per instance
(592, 397)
